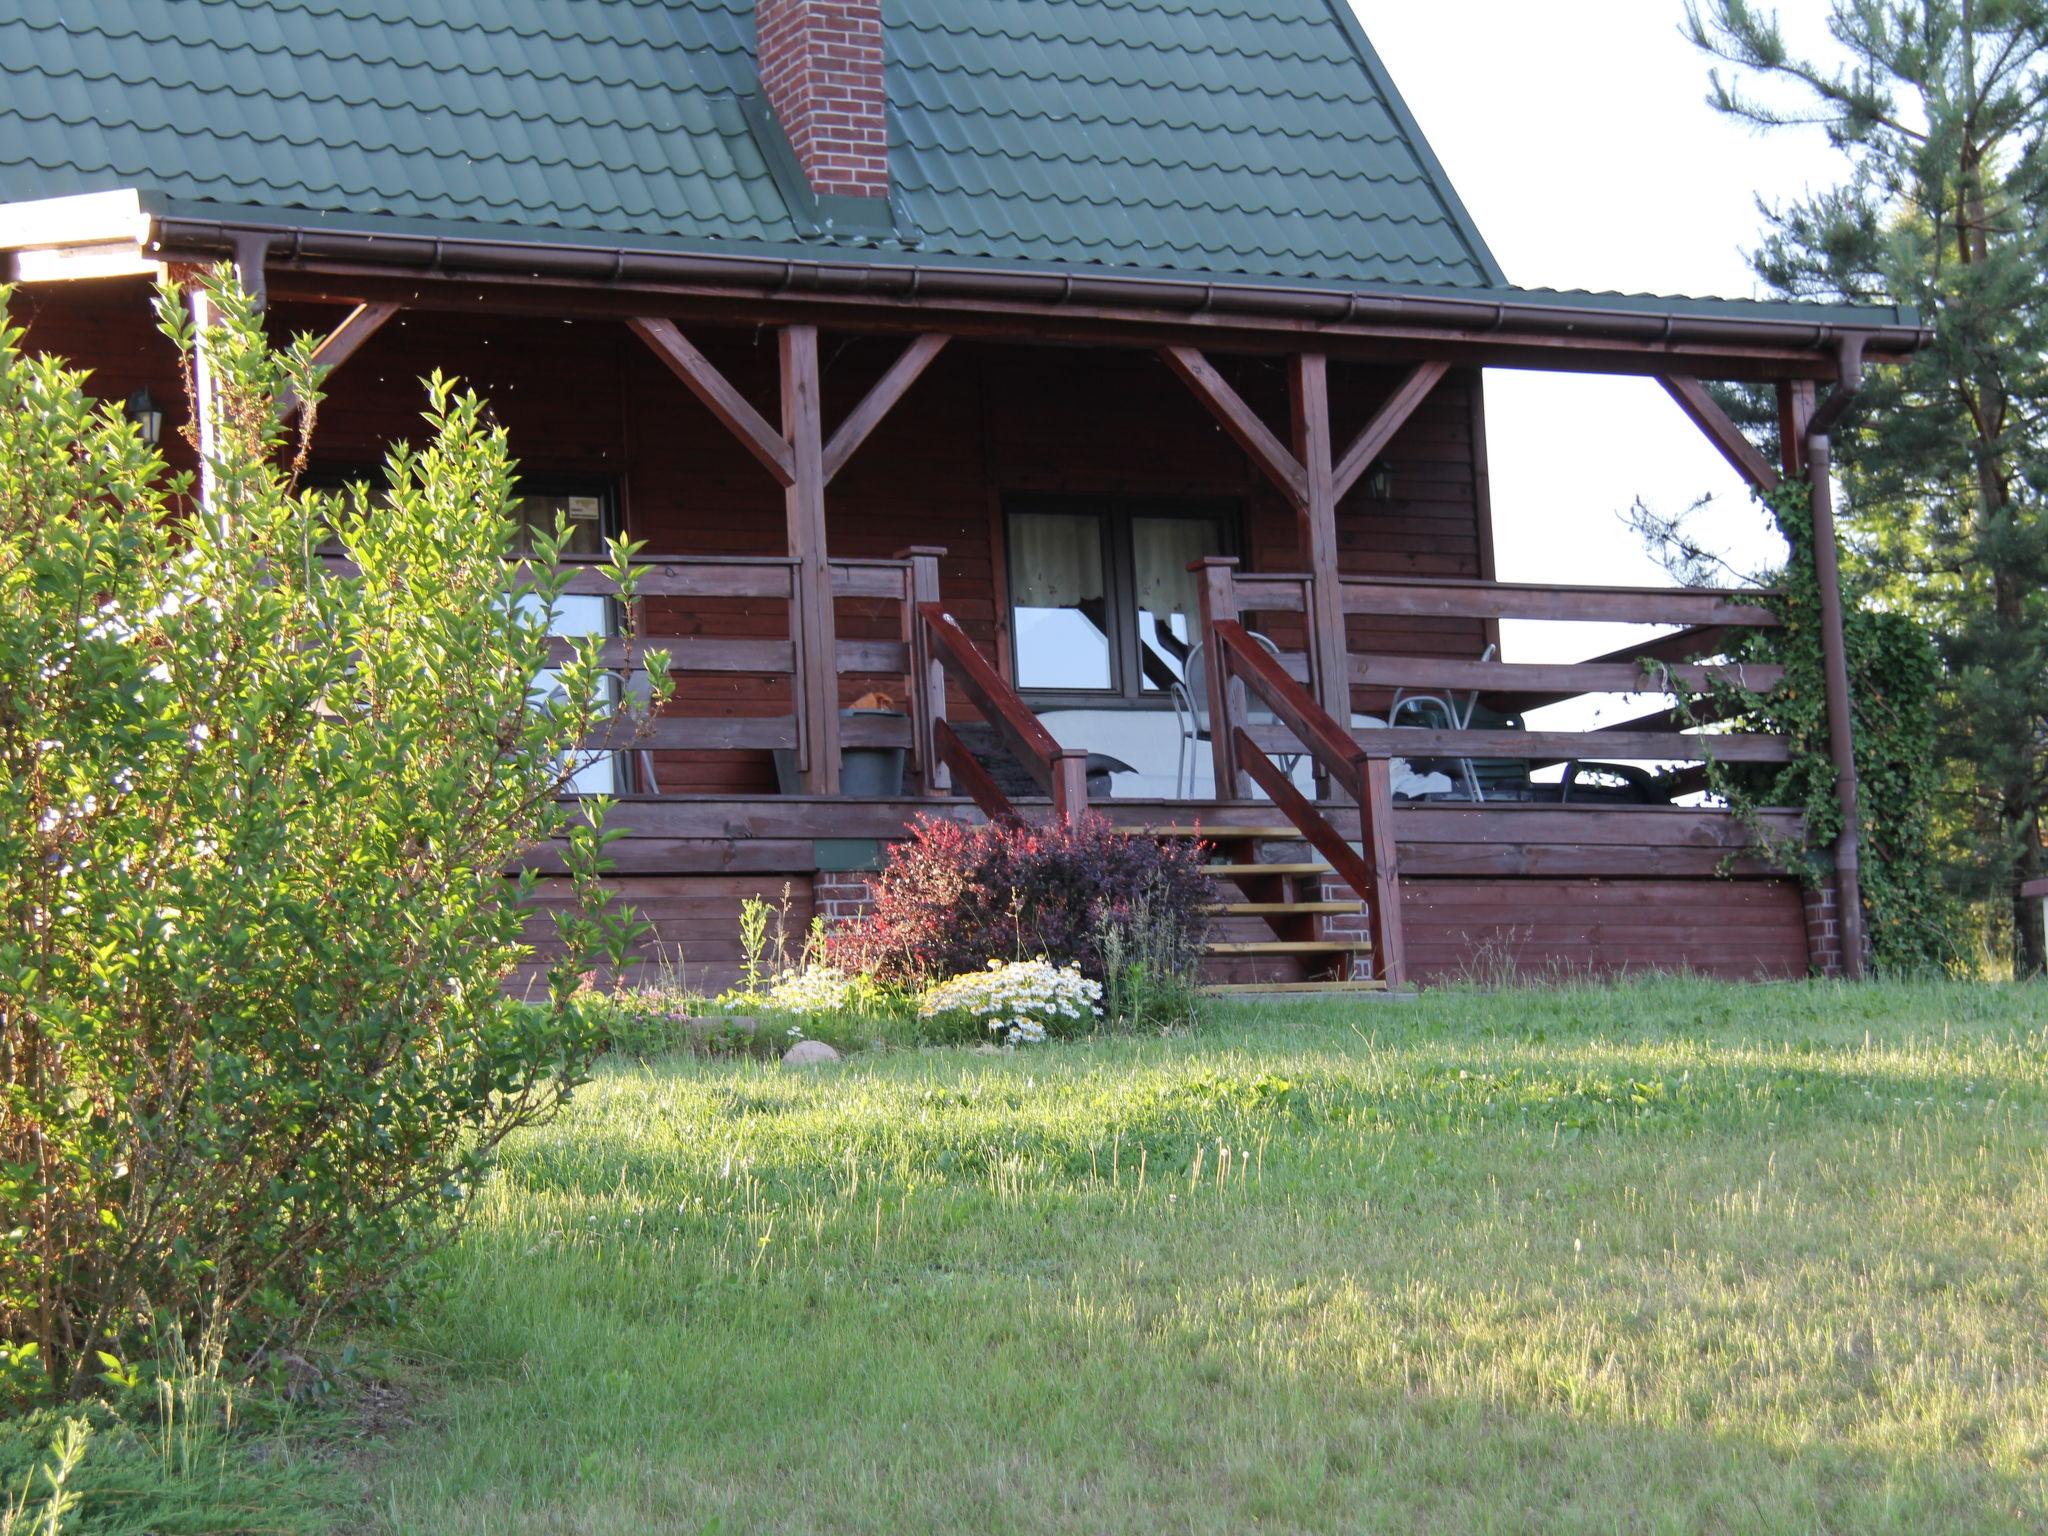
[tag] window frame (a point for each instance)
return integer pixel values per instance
(1115, 514)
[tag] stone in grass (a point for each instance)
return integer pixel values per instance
(809, 1053)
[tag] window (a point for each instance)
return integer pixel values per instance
(589, 507)
(1102, 604)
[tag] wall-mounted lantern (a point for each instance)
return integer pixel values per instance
(142, 409)
(1379, 481)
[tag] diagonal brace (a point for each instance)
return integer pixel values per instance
(704, 381)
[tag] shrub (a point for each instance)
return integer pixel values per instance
(254, 830)
(952, 898)
(1020, 1002)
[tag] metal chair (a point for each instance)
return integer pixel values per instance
(1190, 698)
(1448, 717)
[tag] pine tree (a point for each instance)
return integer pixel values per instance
(1940, 111)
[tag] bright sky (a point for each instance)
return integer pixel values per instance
(1578, 134)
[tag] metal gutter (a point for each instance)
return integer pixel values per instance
(176, 236)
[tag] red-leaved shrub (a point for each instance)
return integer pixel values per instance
(954, 897)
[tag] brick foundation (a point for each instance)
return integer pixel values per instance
(1824, 930)
(841, 897)
(1351, 925)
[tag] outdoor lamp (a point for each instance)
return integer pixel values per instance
(1379, 481)
(147, 415)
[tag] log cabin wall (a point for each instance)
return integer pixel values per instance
(587, 400)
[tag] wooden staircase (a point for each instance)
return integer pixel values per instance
(1278, 927)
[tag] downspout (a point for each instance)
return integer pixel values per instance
(1827, 575)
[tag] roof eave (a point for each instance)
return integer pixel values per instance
(168, 231)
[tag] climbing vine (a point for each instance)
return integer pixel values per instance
(1914, 925)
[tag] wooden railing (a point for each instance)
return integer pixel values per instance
(1240, 665)
(1060, 772)
(908, 580)
(1705, 619)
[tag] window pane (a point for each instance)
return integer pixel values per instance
(1058, 602)
(1168, 607)
(535, 514)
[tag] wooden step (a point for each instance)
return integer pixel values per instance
(1235, 871)
(1260, 988)
(1290, 947)
(1285, 909)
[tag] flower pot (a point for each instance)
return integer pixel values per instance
(871, 773)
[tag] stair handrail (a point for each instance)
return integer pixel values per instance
(1061, 772)
(1365, 775)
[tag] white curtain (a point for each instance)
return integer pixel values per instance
(1055, 560)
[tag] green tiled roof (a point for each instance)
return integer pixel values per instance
(1228, 138)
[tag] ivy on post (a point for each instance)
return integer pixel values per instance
(1891, 671)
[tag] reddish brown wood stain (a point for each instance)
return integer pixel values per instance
(587, 398)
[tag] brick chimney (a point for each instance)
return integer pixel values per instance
(821, 70)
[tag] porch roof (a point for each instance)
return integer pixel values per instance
(1248, 142)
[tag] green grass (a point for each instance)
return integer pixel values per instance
(1674, 1257)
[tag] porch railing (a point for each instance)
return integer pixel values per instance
(775, 659)
(1240, 665)
(1059, 771)
(1704, 622)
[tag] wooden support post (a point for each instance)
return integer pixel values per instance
(1376, 824)
(1070, 784)
(1841, 723)
(817, 644)
(1309, 392)
(1795, 411)
(1217, 590)
(926, 681)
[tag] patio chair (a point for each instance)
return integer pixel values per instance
(1447, 712)
(1190, 698)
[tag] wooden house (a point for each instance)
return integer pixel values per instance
(1097, 381)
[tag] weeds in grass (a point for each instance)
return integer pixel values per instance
(47, 1496)
(1673, 1256)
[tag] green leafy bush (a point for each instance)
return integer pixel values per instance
(254, 827)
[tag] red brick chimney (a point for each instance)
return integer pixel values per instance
(821, 70)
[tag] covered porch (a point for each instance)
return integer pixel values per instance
(1178, 554)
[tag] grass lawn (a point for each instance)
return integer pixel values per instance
(1674, 1257)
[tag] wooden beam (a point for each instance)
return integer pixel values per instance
(1455, 597)
(1240, 421)
(1554, 680)
(1389, 419)
(1308, 381)
(716, 391)
(1795, 411)
(1707, 415)
(1563, 746)
(341, 344)
(817, 651)
(880, 400)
